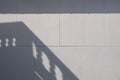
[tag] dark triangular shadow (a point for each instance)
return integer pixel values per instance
(21, 55)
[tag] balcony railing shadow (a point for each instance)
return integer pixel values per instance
(21, 56)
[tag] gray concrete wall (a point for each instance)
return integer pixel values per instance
(83, 34)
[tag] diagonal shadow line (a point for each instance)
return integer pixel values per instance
(17, 60)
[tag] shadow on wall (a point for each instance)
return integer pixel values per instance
(59, 6)
(21, 56)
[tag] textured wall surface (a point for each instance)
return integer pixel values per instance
(83, 34)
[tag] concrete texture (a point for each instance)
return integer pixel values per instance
(60, 39)
(113, 29)
(82, 29)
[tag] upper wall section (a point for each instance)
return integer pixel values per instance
(59, 6)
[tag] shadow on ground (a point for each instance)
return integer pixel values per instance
(21, 56)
